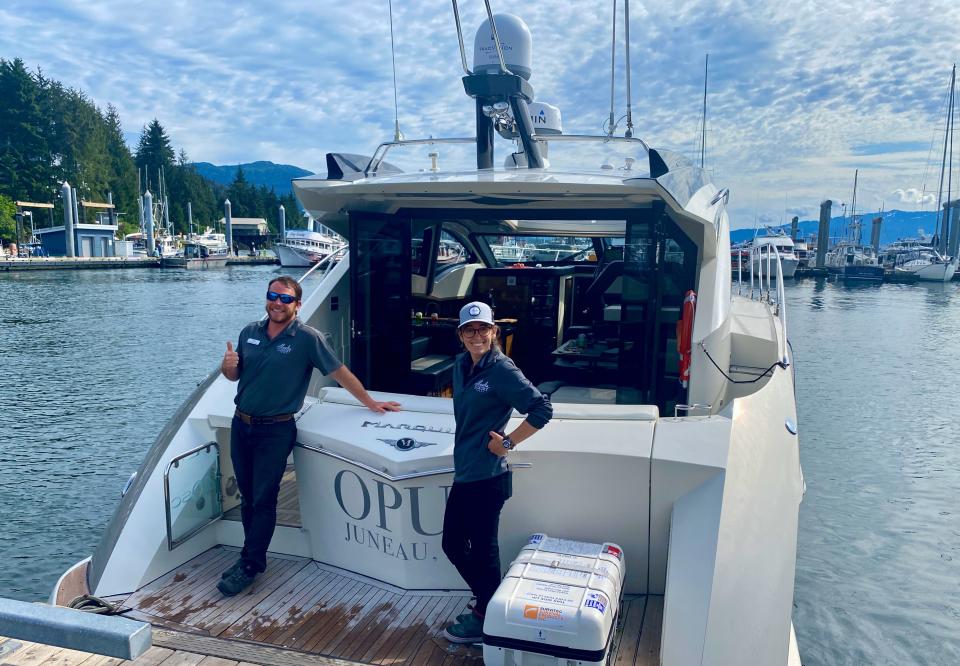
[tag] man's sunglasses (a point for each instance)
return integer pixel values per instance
(286, 299)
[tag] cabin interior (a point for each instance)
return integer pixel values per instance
(587, 301)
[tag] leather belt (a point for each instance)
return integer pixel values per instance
(262, 420)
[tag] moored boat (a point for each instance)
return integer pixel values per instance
(674, 433)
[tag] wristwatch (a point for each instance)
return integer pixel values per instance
(507, 443)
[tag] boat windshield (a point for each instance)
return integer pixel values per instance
(627, 157)
(509, 250)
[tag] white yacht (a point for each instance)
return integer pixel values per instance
(919, 259)
(785, 247)
(685, 455)
(301, 247)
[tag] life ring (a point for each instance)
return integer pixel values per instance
(685, 335)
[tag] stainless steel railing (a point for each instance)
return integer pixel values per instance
(765, 266)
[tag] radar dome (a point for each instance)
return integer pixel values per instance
(515, 41)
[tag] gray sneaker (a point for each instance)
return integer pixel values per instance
(237, 582)
(468, 630)
(233, 567)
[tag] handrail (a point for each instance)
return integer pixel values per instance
(761, 255)
(385, 147)
(328, 261)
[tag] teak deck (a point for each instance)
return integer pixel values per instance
(302, 612)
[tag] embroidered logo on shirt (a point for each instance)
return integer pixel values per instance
(253, 341)
(284, 348)
(482, 386)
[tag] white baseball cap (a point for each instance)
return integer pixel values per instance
(475, 311)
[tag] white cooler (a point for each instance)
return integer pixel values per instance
(558, 602)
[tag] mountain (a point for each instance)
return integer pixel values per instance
(275, 176)
(896, 224)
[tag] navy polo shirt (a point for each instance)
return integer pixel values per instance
(275, 374)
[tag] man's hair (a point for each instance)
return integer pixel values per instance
(289, 283)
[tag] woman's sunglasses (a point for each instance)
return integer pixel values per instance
(286, 299)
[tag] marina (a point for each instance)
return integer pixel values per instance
(851, 542)
(748, 450)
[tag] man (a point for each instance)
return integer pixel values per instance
(273, 362)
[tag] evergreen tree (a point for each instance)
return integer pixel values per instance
(27, 170)
(8, 223)
(154, 156)
(123, 181)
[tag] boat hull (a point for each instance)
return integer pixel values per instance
(859, 273)
(788, 266)
(295, 257)
(193, 262)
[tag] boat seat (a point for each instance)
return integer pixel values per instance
(419, 347)
(585, 395)
(432, 373)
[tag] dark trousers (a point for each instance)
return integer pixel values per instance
(259, 454)
(470, 525)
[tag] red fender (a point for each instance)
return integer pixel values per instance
(685, 335)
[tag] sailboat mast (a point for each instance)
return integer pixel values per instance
(943, 162)
(947, 221)
(703, 128)
(853, 203)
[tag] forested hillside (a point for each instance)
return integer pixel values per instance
(50, 133)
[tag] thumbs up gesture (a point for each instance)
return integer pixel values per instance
(230, 363)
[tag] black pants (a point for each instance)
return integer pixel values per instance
(470, 525)
(259, 454)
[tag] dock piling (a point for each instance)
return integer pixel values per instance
(228, 223)
(823, 233)
(283, 223)
(67, 197)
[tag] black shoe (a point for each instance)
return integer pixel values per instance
(237, 582)
(233, 567)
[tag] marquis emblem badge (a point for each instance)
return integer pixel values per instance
(406, 443)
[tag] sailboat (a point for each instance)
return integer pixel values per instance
(672, 458)
(927, 261)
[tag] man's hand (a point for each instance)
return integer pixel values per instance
(496, 444)
(381, 407)
(230, 364)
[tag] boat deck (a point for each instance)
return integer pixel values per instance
(303, 612)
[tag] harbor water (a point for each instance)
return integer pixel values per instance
(95, 362)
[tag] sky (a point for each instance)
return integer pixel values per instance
(800, 94)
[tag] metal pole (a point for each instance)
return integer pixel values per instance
(283, 223)
(228, 222)
(67, 197)
(823, 232)
(189, 218)
(149, 242)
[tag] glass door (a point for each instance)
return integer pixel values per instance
(380, 275)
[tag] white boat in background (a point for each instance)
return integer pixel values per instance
(674, 434)
(919, 259)
(785, 247)
(301, 247)
(854, 262)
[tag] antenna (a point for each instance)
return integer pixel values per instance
(703, 128)
(626, 36)
(611, 122)
(397, 136)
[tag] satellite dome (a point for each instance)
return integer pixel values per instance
(515, 42)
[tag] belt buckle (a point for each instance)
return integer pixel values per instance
(268, 420)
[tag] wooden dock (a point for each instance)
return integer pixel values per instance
(88, 263)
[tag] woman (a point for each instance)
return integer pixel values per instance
(487, 387)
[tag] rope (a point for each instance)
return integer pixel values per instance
(742, 381)
(91, 604)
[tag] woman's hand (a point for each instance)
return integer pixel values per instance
(495, 445)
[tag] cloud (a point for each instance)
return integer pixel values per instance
(913, 196)
(797, 99)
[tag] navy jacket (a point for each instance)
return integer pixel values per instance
(483, 398)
